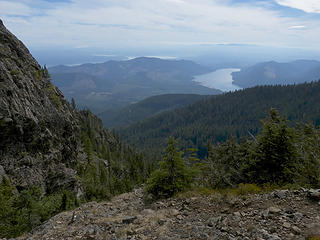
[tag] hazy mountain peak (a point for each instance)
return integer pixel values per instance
(272, 72)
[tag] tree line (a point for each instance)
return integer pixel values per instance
(279, 155)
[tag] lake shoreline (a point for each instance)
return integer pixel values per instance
(220, 79)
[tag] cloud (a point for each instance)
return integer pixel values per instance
(105, 55)
(309, 6)
(14, 8)
(140, 23)
(297, 27)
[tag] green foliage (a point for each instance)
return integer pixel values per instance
(224, 163)
(15, 72)
(132, 113)
(38, 75)
(279, 156)
(219, 117)
(20, 212)
(308, 148)
(73, 104)
(45, 72)
(246, 188)
(42, 74)
(173, 175)
(53, 96)
(7, 212)
(110, 168)
(275, 156)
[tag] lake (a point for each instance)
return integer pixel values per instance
(220, 79)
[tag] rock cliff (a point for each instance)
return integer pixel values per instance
(44, 141)
(38, 130)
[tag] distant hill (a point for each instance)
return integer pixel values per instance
(115, 84)
(272, 73)
(219, 117)
(151, 106)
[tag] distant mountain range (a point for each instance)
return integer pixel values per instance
(146, 108)
(271, 73)
(114, 84)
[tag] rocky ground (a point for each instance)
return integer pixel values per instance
(278, 215)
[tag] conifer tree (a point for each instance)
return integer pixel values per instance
(173, 175)
(275, 155)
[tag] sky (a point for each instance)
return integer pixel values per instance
(80, 24)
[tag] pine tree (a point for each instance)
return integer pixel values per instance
(173, 175)
(275, 156)
(73, 104)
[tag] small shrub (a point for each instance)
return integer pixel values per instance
(20, 212)
(38, 75)
(23, 154)
(245, 189)
(53, 96)
(15, 72)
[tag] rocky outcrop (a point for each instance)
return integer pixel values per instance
(39, 133)
(47, 143)
(279, 215)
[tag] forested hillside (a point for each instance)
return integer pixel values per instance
(132, 113)
(232, 114)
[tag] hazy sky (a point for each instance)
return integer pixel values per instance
(136, 23)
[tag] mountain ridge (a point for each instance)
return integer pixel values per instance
(113, 84)
(272, 73)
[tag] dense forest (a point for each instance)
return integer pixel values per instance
(233, 114)
(146, 108)
(279, 157)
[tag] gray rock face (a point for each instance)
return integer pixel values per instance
(314, 194)
(2, 173)
(38, 130)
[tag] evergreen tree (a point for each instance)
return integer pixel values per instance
(275, 156)
(173, 175)
(73, 104)
(223, 164)
(309, 155)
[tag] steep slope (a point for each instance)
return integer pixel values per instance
(115, 84)
(51, 157)
(38, 130)
(272, 73)
(220, 117)
(147, 108)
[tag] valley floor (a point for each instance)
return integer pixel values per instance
(279, 215)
